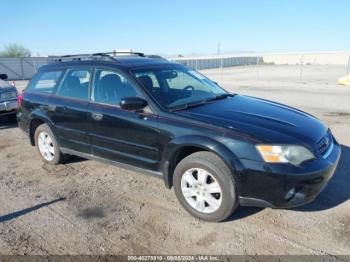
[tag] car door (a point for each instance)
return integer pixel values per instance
(68, 109)
(121, 135)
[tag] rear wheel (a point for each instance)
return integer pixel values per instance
(205, 186)
(48, 146)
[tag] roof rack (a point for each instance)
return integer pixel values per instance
(111, 56)
(116, 52)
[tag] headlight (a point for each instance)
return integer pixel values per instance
(284, 154)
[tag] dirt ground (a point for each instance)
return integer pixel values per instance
(86, 207)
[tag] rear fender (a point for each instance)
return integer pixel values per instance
(39, 115)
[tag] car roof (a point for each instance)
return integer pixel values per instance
(127, 62)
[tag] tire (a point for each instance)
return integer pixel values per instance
(52, 156)
(208, 167)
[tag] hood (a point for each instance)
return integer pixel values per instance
(267, 121)
(5, 86)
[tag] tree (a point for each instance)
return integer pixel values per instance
(15, 50)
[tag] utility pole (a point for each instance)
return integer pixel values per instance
(218, 47)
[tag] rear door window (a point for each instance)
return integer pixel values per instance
(76, 84)
(45, 82)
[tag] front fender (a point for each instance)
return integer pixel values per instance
(208, 144)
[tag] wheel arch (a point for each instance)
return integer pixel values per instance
(37, 119)
(181, 147)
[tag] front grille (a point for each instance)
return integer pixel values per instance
(8, 95)
(324, 144)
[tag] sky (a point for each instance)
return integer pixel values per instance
(172, 27)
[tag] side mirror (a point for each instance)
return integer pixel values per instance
(3, 76)
(133, 103)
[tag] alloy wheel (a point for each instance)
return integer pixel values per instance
(201, 190)
(46, 146)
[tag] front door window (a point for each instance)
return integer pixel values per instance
(111, 87)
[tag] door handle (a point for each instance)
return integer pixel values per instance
(97, 116)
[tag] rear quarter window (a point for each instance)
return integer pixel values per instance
(45, 82)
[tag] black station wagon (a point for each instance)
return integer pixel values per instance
(217, 149)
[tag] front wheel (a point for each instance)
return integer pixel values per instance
(205, 186)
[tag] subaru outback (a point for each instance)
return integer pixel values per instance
(217, 149)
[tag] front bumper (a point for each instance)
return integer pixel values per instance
(8, 107)
(286, 186)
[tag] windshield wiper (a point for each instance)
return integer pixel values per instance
(203, 102)
(186, 106)
(218, 97)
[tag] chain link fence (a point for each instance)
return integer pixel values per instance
(218, 62)
(283, 67)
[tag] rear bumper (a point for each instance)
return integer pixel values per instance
(281, 186)
(8, 107)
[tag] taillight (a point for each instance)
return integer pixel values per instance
(20, 99)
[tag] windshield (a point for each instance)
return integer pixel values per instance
(177, 86)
